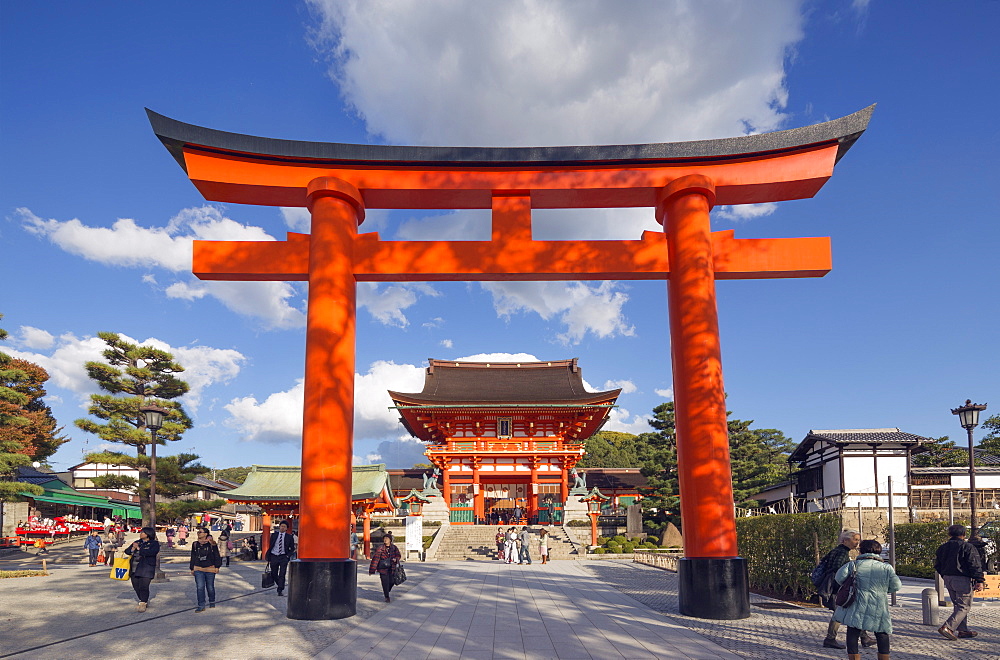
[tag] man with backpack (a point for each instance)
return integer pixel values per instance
(823, 578)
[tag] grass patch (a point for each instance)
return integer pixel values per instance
(17, 574)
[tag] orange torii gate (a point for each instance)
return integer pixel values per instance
(681, 181)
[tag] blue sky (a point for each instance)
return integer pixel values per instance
(97, 218)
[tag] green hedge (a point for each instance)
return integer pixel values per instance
(781, 549)
(916, 545)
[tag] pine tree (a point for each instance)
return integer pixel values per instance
(134, 376)
(610, 449)
(11, 454)
(38, 438)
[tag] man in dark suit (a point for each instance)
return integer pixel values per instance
(279, 553)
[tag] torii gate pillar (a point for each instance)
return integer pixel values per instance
(711, 564)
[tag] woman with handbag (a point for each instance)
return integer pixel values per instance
(510, 548)
(384, 560)
(501, 540)
(204, 565)
(543, 545)
(143, 553)
(869, 609)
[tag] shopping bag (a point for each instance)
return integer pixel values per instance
(101, 558)
(267, 580)
(398, 575)
(120, 569)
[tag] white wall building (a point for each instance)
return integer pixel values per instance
(843, 468)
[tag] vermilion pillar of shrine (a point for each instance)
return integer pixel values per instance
(682, 180)
(710, 564)
(323, 581)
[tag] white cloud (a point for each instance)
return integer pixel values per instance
(387, 302)
(627, 386)
(745, 212)
(126, 244)
(581, 307)
(620, 420)
(278, 418)
(666, 394)
(203, 366)
(35, 338)
(469, 225)
(447, 343)
(297, 219)
(559, 72)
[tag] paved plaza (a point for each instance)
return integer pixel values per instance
(565, 609)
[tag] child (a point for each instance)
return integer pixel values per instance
(40, 547)
(109, 550)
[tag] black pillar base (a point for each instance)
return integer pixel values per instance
(320, 589)
(711, 588)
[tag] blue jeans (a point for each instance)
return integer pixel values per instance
(93, 555)
(205, 582)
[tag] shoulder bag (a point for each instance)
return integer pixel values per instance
(849, 590)
(398, 575)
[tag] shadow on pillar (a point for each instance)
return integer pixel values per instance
(712, 588)
(320, 589)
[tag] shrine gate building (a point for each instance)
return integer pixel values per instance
(504, 434)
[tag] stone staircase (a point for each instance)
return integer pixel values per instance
(476, 542)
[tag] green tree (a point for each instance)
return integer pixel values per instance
(12, 455)
(941, 452)
(237, 474)
(759, 458)
(39, 438)
(990, 443)
(610, 449)
(133, 376)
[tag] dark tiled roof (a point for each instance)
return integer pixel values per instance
(207, 483)
(503, 382)
(610, 479)
(888, 436)
(30, 475)
(406, 479)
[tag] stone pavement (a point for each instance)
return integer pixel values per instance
(578, 609)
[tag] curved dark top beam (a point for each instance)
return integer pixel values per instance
(177, 135)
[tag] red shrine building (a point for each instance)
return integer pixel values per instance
(504, 434)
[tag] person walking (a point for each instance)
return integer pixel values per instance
(171, 531)
(828, 586)
(957, 561)
(93, 545)
(182, 535)
(510, 546)
(525, 538)
(143, 569)
(109, 549)
(384, 561)
(543, 545)
(501, 540)
(204, 565)
(873, 580)
(279, 553)
(224, 546)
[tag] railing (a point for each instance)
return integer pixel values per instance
(461, 515)
(507, 445)
(664, 560)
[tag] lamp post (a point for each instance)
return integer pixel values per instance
(594, 499)
(153, 419)
(968, 417)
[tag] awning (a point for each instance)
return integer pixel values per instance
(126, 511)
(75, 500)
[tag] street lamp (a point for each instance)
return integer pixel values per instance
(968, 417)
(153, 419)
(594, 500)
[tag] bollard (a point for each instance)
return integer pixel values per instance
(939, 585)
(45, 568)
(930, 606)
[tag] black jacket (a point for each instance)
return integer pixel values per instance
(144, 560)
(289, 546)
(204, 555)
(957, 557)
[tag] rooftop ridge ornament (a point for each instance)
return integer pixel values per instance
(679, 182)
